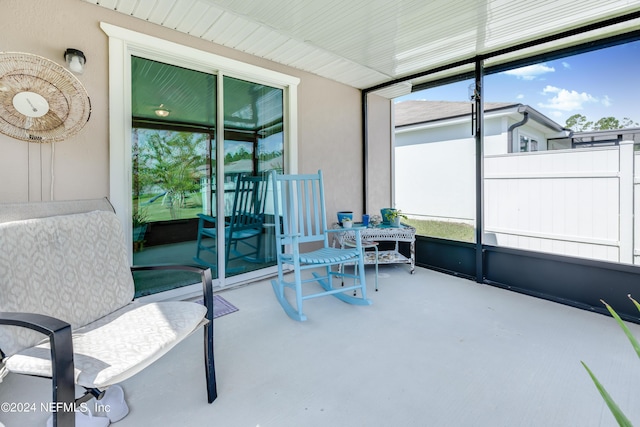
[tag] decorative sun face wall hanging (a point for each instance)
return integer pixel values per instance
(40, 101)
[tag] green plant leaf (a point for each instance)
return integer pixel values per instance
(620, 417)
(634, 302)
(624, 327)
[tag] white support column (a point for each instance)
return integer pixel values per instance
(626, 202)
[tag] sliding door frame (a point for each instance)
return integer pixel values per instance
(123, 44)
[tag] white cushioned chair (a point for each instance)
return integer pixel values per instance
(64, 273)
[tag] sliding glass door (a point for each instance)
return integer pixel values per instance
(195, 200)
(253, 146)
(172, 144)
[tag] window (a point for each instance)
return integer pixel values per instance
(528, 144)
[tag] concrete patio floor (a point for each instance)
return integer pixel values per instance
(432, 350)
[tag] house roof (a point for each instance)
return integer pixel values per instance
(364, 43)
(409, 113)
(414, 112)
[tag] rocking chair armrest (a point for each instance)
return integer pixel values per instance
(62, 369)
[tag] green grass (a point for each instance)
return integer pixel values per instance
(443, 229)
(156, 211)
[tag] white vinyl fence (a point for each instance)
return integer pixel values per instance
(578, 202)
(636, 207)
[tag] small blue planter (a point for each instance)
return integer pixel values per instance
(344, 214)
(384, 212)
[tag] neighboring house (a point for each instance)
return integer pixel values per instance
(434, 140)
(509, 127)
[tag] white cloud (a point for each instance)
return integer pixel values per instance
(566, 65)
(606, 101)
(550, 89)
(530, 72)
(520, 96)
(566, 100)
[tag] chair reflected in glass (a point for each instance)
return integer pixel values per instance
(300, 206)
(243, 230)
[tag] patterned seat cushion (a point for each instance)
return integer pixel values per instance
(71, 267)
(118, 345)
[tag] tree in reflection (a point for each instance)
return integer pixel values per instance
(172, 162)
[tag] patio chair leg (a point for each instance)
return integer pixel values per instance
(63, 383)
(376, 254)
(209, 365)
(355, 273)
(210, 369)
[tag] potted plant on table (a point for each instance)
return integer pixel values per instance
(393, 216)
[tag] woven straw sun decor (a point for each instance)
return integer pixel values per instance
(40, 101)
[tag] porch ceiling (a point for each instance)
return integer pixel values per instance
(363, 43)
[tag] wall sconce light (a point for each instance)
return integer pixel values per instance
(161, 111)
(75, 60)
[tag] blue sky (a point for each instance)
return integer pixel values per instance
(597, 84)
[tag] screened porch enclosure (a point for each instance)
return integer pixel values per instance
(408, 55)
(460, 352)
(516, 198)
